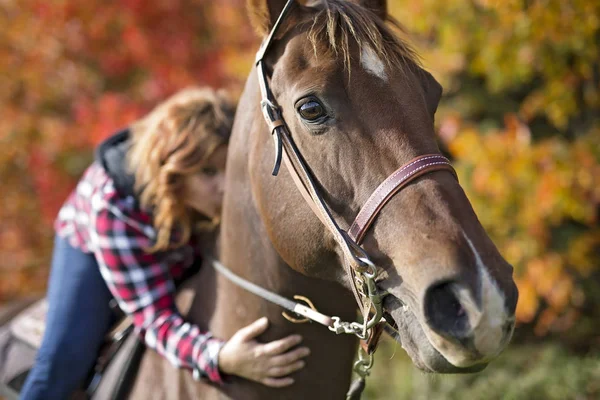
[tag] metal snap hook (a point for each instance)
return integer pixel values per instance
(364, 363)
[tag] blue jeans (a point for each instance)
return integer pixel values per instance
(78, 318)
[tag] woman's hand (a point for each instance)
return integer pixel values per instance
(267, 363)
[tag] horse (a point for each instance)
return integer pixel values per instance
(336, 82)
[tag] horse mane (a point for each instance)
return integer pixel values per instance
(337, 22)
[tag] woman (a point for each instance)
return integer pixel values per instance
(127, 232)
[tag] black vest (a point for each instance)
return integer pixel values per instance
(111, 155)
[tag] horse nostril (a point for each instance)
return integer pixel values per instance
(444, 312)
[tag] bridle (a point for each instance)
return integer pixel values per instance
(361, 271)
(357, 263)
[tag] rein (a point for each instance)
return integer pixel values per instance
(361, 271)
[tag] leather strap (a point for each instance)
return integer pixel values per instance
(275, 124)
(307, 188)
(399, 179)
(370, 344)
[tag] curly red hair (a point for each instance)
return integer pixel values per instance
(171, 142)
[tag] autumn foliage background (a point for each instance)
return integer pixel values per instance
(520, 117)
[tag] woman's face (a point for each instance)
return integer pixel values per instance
(204, 190)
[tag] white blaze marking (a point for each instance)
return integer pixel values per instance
(372, 63)
(488, 327)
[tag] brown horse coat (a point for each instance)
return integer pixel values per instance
(452, 296)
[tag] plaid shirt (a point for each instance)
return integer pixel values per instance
(98, 220)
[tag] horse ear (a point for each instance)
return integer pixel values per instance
(379, 7)
(264, 13)
(433, 92)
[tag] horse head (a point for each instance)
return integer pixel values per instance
(358, 105)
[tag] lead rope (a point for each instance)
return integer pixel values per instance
(310, 312)
(365, 360)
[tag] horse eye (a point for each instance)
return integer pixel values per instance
(311, 110)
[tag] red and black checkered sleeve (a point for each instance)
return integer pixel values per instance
(142, 284)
